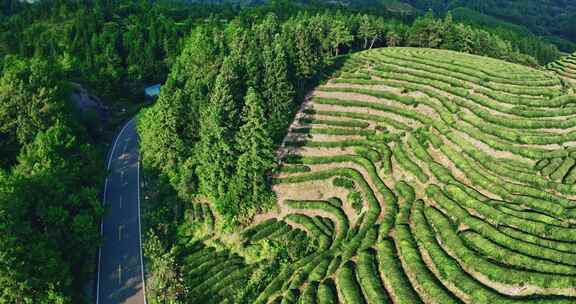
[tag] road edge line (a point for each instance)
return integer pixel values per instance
(140, 229)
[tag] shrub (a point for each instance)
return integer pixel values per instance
(555, 285)
(423, 280)
(369, 279)
(327, 293)
(344, 183)
(295, 169)
(347, 284)
(393, 276)
(355, 200)
(408, 164)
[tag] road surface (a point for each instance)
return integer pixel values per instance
(120, 268)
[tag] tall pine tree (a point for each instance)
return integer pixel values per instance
(219, 122)
(278, 90)
(367, 31)
(249, 189)
(170, 130)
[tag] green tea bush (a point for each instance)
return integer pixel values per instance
(369, 279)
(347, 285)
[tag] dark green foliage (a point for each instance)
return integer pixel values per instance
(31, 100)
(428, 31)
(278, 91)
(513, 18)
(355, 200)
(545, 49)
(115, 47)
(51, 233)
(235, 83)
(248, 185)
(172, 127)
(348, 285)
(344, 183)
(219, 123)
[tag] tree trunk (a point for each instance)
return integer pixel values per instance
(373, 41)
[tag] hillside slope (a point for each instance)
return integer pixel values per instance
(565, 67)
(423, 176)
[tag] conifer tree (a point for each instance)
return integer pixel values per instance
(339, 36)
(267, 30)
(427, 31)
(219, 123)
(254, 66)
(278, 90)
(305, 51)
(170, 130)
(164, 145)
(367, 32)
(249, 188)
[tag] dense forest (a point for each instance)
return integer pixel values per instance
(113, 47)
(544, 18)
(551, 20)
(51, 160)
(234, 77)
(50, 177)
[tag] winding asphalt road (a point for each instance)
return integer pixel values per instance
(120, 267)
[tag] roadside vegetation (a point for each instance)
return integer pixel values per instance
(50, 177)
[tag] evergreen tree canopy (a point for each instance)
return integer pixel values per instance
(250, 192)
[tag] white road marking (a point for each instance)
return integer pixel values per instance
(120, 228)
(102, 221)
(119, 274)
(120, 201)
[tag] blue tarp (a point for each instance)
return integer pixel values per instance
(152, 91)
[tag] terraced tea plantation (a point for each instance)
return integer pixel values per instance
(422, 176)
(566, 68)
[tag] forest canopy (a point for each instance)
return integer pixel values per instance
(49, 181)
